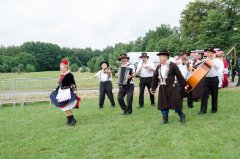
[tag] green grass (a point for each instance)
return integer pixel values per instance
(39, 131)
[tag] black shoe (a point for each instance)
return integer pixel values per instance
(190, 107)
(140, 107)
(165, 119)
(213, 111)
(200, 113)
(72, 120)
(128, 113)
(237, 85)
(100, 107)
(182, 118)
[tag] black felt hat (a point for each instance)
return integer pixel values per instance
(164, 52)
(103, 63)
(144, 54)
(210, 49)
(122, 56)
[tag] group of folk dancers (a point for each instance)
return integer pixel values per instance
(170, 76)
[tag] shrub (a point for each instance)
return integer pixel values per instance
(84, 69)
(30, 68)
(74, 67)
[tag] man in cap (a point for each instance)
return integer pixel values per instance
(105, 80)
(145, 70)
(210, 84)
(126, 89)
(168, 97)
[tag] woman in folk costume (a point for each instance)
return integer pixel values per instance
(225, 72)
(64, 97)
(168, 97)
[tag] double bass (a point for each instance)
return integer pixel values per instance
(199, 74)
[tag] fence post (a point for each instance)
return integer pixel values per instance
(12, 93)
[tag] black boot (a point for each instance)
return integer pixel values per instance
(165, 119)
(182, 117)
(72, 120)
(68, 120)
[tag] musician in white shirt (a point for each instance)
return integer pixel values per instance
(145, 70)
(105, 80)
(127, 89)
(219, 59)
(185, 66)
(210, 84)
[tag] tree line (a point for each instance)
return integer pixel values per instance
(203, 23)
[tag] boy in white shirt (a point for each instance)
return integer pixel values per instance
(105, 80)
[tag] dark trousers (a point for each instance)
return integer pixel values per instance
(105, 88)
(234, 72)
(190, 99)
(210, 85)
(145, 81)
(238, 83)
(183, 94)
(123, 91)
(166, 111)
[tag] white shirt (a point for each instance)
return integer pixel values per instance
(183, 68)
(220, 71)
(103, 77)
(164, 68)
(145, 72)
(133, 70)
(214, 70)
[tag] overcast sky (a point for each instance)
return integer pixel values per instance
(84, 23)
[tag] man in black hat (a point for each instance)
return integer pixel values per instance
(210, 84)
(145, 70)
(105, 80)
(168, 96)
(128, 88)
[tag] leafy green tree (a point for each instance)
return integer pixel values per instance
(5, 68)
(48, 56)
(155, 39)
(25, 58)
(91, 64)
(213, 30)
(21, 67)
(191, 18)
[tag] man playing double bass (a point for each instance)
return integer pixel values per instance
(210, 84)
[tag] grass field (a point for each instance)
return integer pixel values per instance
(39, 131)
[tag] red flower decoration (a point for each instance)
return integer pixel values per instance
(64, 61)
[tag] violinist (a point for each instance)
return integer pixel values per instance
(196, 93)
(185, 66)
(105, 80)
